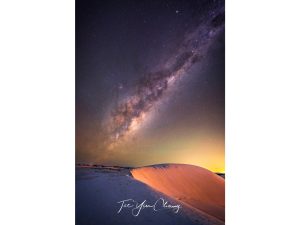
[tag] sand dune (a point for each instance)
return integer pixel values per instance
(99, 189)
(193, 185)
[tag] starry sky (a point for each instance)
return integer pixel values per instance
(150, 82)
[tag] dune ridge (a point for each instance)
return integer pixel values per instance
(192, 185)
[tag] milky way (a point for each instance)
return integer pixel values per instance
(150, 89)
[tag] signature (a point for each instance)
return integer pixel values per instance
(136, 207)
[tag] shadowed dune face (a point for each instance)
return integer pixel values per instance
(193, 185)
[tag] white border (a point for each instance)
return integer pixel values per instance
(37, 67)
(262, 112)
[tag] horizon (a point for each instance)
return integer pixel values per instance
(91, 164)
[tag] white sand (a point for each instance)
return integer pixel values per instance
(99, 190)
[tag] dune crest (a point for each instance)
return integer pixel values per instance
(193, 185)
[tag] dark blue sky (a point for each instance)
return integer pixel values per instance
(126, 49)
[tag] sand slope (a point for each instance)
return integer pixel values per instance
(99, 190)
(193, 185)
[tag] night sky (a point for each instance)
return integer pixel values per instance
(150, 82)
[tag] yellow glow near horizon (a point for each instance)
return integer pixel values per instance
(206, 151)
